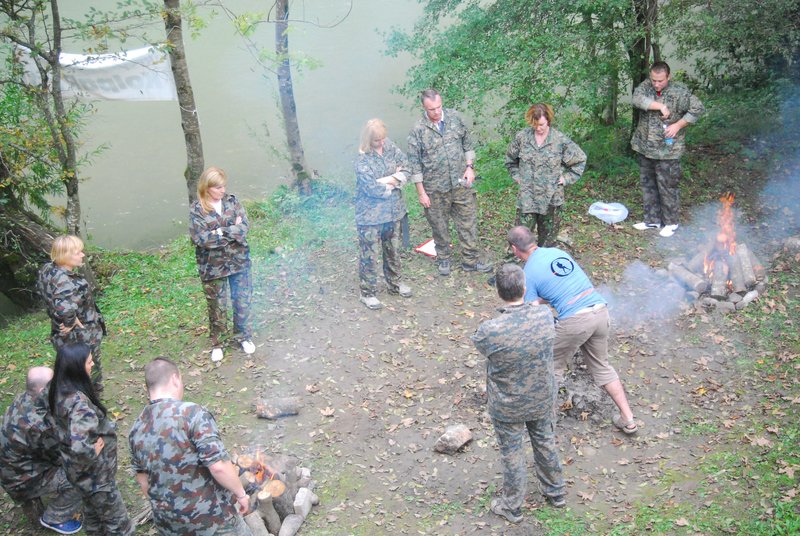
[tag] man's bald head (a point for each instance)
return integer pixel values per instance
(38, 378)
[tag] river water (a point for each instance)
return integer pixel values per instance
(134, 194)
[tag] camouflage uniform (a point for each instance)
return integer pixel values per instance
(438, 161)
(518, 345)
(537, 170)
(68, 297)
(79, 425)
(379, 209)
(30, 466)
(173, 443)
(659, 163)
(222, 261)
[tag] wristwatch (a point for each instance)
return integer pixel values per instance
(471, 166)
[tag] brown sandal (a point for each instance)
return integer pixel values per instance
(627, 427)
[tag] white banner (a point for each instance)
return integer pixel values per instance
(142, 74)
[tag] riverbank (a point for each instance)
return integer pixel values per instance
(716, 395)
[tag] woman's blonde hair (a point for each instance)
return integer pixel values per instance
(210, 178)
(373, 130)
(539, 110)
(64, 246)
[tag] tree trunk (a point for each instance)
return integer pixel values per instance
(68, 153)
(302, 179)
(646, 13)
(25, 245)
(190, 122)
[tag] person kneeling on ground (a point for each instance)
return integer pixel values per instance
(518, 345)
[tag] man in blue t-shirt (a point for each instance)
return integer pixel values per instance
(552, 276)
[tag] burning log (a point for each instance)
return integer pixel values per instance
(271, 488)
(746, 262)
(688, 279)
(695, 265)
(737, 277)
(719, 281)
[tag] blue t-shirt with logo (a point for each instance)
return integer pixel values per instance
(553, 275)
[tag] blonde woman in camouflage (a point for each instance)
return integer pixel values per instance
(381, 171)
(74, 315)
(218, 228)
(542, 160)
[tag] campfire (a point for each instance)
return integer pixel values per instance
(280, 492)
(722, 274)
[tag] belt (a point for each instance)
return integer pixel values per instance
(591, 308)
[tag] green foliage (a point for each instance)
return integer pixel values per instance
(740, 43)
(571, 54)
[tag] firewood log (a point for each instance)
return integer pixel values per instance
(256, 524)
(736, 275)
(746, 261)
(267, 512)
(688, 279)
(719, 283)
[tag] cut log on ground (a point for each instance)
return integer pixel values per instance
(719, 282)
(256, 524)
(453, 439)
(746, 262)
(271, 518)
(688, 279)
(274, 408)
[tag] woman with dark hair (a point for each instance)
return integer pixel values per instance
(88, 441)
(218, 227)
(542, 160)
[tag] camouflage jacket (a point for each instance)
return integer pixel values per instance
(518, 345)
(79, 425)
(68, 297)
(378, 203)
(220, 256)
(174, 442)
(538, 169)
(648, 139)
(437, 160)
(28, 447)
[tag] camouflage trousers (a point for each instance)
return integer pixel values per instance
(388, 234)
(546, 226)
(65, 502)
(217, 301)
(660, 192)
(104, 514)
(511, 436)
(92, 336)
(461, 205)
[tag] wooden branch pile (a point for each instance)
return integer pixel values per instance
(281, 493)
(717, 279)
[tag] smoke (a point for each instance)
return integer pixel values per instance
(642, 296)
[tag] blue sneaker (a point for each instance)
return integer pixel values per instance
(67, 527)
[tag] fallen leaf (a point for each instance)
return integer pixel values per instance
(327, 412)
(586, 497)
(313, 388)
(623, 461)
(761, 442)
(682, 522)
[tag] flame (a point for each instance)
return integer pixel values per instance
(725, 219)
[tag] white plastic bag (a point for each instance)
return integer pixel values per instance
(609, 212)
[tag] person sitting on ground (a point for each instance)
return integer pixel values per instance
(218, 228)
(381, 170)
(181, 464)
(518, 345)
(30, 466)
(552, 276)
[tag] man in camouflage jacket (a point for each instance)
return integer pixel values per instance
(74, 315)
(541, 173)
(667, 108)
(30, 466)
(223, 256)
(442, 155)
(518, 345)
(181, 463)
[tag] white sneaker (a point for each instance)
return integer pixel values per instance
(216, 355)
(643, 226)
(668, 230)
(248, 347)
(404, 290)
